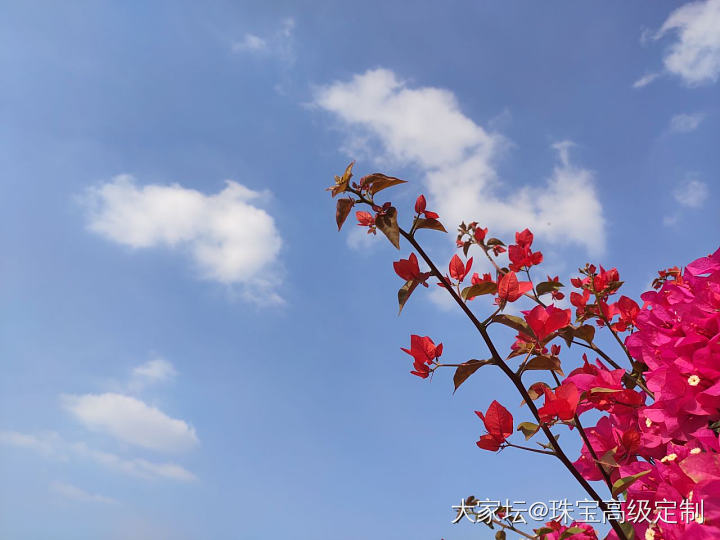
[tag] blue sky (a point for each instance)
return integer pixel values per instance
(190, 350)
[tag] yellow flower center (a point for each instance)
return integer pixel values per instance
(693, 380)
(669, 457)
(648, 422)
(695, 451)
(649, 534)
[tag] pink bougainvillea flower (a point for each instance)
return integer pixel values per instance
(554, 530)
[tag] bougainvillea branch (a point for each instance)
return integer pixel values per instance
(658, 444)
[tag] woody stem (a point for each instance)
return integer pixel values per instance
(512, 528)
(517, 382)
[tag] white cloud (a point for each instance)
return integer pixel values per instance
(156, 370)
(645, 80)
(425, 128)
(46, 443)
(51, 445)
(695, 55)
(134, 466)
(130, 420)
(250, 42)
(230, 240)
(70, 491)
(278, 44)
(684, 123)
(691, 193)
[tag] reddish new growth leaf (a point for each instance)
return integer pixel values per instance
(510, 289)
(479, 234)
(556, 295)
(561, 404)
(420, 204)
(458, 270)
(544, 321)
(520, 254)
(424, 352)
(477, 280)
(409, 270)
(499, 424)
(366, 219)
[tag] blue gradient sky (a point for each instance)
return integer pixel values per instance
(294, 415)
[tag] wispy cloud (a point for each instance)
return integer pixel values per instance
(694, 55)
(684, 123)
(396, 125)
(51, 445)
(231, 240)
(691, 193)
(277, 44)
(645, 80)
(130, 420)
(157, 370)
(250, 42)
(69, 491)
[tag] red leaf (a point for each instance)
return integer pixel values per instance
(488, 442)
(498, 421)
(511, 289)
(365, 219)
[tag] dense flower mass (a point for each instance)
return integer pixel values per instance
(669, 447)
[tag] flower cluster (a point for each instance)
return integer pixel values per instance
(666, 451)
(654, 441)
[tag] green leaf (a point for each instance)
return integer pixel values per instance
(528, 428)
(405, 292)
(608, 459)
(628, 529)
(547, 286)
(516, 323)
(486, 287)
(388, 224)
(466, 369)
(570, 531)
(343, 209)
(622, 484)
(379, 181)
(434, 224)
